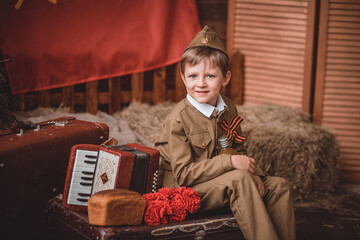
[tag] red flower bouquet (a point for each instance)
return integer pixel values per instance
(170, 205)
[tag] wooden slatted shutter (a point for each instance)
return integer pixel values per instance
(276, 39)
(337, 90)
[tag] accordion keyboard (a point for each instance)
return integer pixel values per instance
(82, 177)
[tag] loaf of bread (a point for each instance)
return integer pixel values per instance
(116, 207)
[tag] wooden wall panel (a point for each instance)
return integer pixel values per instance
(337, 90)
(92, 97)
(276, 39)
(214, 14)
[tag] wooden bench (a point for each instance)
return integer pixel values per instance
(66, 224)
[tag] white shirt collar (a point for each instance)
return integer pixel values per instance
(205, 108)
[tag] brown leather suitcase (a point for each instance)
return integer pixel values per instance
(33, 168)
(64, 223)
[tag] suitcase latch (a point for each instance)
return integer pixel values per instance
(200, 235)
(63, 123)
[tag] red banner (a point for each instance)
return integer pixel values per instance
(56, 43)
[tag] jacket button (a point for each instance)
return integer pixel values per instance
(203, 144)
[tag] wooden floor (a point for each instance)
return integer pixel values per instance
(340, 222)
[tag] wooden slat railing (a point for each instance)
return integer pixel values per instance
(112, 94)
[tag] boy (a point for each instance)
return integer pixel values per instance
(262, 206)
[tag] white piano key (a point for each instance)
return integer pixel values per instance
(82, 163)
(76, 185)
(73, 200)
(83, 153)
(88, 167)
(80, 157)
(75, 195)
(78, 175)
(87, 170)
(76, 191)
(78, 180)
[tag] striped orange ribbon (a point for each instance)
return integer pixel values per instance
(231, 129)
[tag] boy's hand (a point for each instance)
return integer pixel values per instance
(243, 162)
(260, 185)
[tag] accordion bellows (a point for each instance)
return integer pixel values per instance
(116, 207)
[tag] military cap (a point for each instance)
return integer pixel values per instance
(207, 38)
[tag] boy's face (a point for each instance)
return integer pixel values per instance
(203, 81)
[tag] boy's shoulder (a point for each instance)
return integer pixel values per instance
(183, 109)
(229, 103)
(177, 109)
(227, 100)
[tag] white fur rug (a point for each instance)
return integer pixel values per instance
(118, 128)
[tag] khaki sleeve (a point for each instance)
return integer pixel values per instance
(240, 148)
(186, 170)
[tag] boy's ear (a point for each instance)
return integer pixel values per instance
(182, 77)
(226, 79)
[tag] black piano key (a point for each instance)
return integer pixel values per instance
(85, 184)
(90, 162)
(84, 194)
(87, 178)
(91, 156)
(88, 173)
(82, 200)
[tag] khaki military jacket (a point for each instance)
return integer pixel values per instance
(188, 145)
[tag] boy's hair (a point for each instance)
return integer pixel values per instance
(196, 55)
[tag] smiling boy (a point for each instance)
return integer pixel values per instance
(263, 206)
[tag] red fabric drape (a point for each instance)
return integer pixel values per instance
(58, 43)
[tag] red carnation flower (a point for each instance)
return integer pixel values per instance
(169, 192)
(157, 211)
(191, 199)
(170, 205)
(178, 208)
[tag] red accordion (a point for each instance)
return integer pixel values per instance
(93, 168)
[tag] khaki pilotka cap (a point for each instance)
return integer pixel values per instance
(207, 38)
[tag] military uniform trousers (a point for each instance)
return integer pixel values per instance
(270, 217)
